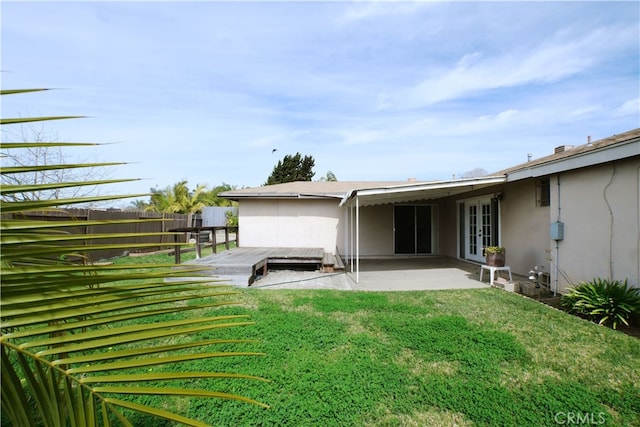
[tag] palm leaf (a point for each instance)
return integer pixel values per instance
(15, 91)
(55, 185)
(6, 145)
(80, 341)
(40, 168)
(15, 121)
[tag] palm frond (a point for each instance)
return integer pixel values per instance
(38, 168)
(26, 188)
(81, 341)
(14, 121)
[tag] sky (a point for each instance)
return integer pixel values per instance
(204, 91)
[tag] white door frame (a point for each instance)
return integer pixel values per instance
(478, 227)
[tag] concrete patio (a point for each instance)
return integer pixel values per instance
(396, 274)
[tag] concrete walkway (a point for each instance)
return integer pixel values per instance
(397, 274)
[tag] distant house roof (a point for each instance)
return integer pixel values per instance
(566, 158)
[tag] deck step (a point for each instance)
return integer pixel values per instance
(331, 263)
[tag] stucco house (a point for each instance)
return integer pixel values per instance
(574, 214)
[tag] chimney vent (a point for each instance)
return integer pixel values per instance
(589, 141)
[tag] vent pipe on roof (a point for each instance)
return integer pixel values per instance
(589, 141)
(529, 156)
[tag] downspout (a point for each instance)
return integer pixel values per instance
(638, 228)
(604, 196)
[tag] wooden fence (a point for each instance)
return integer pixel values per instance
(152, 222)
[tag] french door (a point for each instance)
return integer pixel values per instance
(414, 229)
(480, 227)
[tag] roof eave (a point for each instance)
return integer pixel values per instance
(238, 196)
(471, 183)
(605, 154)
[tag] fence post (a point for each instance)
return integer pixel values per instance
(177, 249)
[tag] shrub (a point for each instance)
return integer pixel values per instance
(603, 301)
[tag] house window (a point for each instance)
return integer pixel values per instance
(543, 192)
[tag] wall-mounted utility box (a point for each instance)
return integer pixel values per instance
(557, 230)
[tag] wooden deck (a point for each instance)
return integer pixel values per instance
(242, 265)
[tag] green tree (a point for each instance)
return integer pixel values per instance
(330, 176)
(212, 198)
(178, 199)
(138, 205)
(77, 340)
(292, 168)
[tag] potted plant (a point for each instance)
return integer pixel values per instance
(494, 256)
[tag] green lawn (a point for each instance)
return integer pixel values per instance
(436, 358)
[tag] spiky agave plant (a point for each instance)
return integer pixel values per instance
(607, 302)
(78, 340)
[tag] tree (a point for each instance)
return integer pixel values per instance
(292, 168)
(77, 339)
(474, 173)
(330, 176)
(179, 199)
(138, 205)
(211, 197)
(34, 145)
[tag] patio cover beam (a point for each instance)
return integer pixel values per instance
(421, 191)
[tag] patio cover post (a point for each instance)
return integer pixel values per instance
(351, 237)
(357, 239)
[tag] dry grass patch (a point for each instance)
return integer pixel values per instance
(434, 417)
(419, 367)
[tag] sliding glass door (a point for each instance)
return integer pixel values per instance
(414, 229)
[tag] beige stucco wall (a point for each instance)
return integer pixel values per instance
(524, 228)
(599, 209)
(290, 223)
(376, 231)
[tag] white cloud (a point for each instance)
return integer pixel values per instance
(548, 62)
(630, 107)
(584, 111)
(361, 136)
(366, 10)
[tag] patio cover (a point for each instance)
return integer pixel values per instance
(402, 194)
(418, 191)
